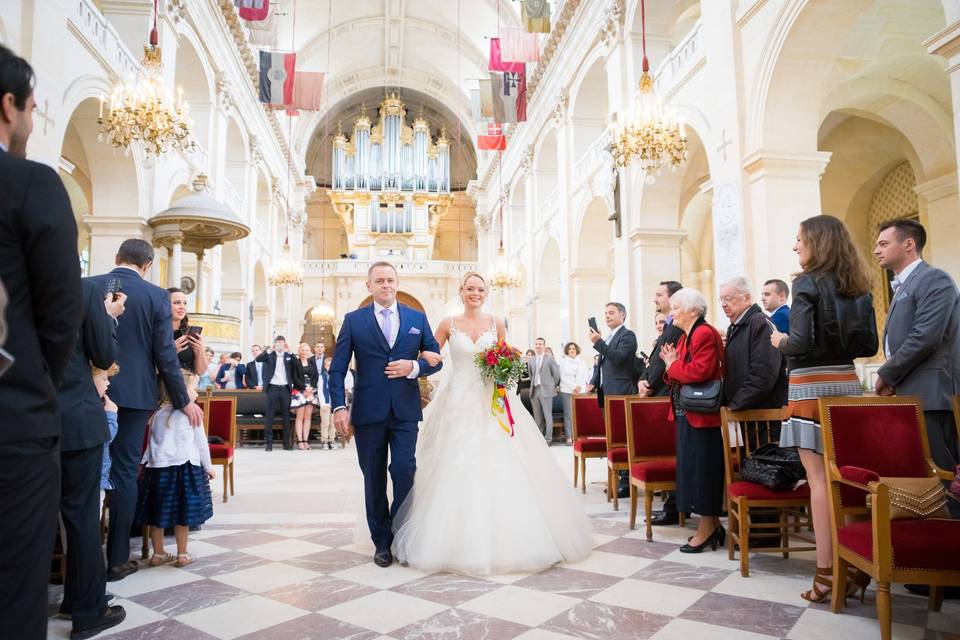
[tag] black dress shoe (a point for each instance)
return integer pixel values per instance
(269, 447)
(383, 558)
(664, 518)
(111, 617)
(949, 593)
(121, 572)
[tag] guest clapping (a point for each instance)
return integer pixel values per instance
(574, 375)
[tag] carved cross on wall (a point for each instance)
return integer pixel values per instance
(725, 142)
(45, 116)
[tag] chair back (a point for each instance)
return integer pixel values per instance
(650, 432)
(587, 417)
(744, 432)
(885, 435)
(615, 420)
(220, 417)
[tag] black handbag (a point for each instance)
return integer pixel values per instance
(704, 397)
(773, 467)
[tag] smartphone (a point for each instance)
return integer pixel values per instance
(195, 330)
(592, 321)
(644, 356)
(114, 287)
(6, 361)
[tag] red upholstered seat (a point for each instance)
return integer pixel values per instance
(917, 544)
(655, 470)
(222, 415)
(590, 445)
(617, 455)
(754, 491)
(221, 451)
(588, 417)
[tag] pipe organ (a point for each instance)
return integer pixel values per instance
(391, 183)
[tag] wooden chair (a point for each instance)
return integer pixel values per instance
(589, 437)
(220, 419)
(615, 431)
(866, 439)
(651, 454)
(743, 432)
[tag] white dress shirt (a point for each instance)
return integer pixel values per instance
(897, 282)
(280, 371)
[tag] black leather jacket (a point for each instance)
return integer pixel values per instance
(827, 328)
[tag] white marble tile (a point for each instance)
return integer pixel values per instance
(380, 577)
(213, 533)
(295, 532)
(151, 579)
(760, 586)
(649, 596)
(266, 577)
(947, 619)
(384, 611)
(821, 624)
(610, 564)
(506, 578)
(240, 617)
(201, 549)
(523, 606)
(602, 538)
(543, 634)
(713, 559)
(680, 629)
(285, 549)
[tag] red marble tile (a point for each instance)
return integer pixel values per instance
(568, 582)
(312, 627)
(445, 588)
(319, 593)
(330, 561)
(454, 624)
(746, 614)
(163, 630)
(596, 621)
(175, 601)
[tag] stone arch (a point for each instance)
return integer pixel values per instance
(546, 176)
(548, 294)
(193, 74)
(589, 106)
(591, 273)
(233, 187)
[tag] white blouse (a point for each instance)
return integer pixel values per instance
(573, 373)
(173, 441)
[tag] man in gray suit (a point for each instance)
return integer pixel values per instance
(544, 381)
(921, 338)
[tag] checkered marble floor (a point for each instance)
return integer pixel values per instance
(277, 561)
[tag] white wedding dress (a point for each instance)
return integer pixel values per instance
(483, 502)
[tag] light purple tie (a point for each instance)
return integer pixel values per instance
(387, 328)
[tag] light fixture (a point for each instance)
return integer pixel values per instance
(323, 312)
(504, 274)
(651, 133)
(286, 272)
(142, 109)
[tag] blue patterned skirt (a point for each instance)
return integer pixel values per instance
(170, 496)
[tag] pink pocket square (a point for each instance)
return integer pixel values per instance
(414, 331)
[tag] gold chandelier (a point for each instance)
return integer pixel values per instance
(652, 133)
(142, 109)
(323, 312)
(286, 272)
(504, 274)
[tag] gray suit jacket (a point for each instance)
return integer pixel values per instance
(923, 331)
(549, 375)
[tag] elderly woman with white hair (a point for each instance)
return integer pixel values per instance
(696, 362)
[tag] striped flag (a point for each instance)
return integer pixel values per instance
(516, 45)
(277, 72)
(253, 10)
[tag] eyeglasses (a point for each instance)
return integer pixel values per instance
(729, 299)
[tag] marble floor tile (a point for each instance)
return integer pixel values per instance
(568, 582)
(746, 614)
(681, 575)
(240, 617)
(162, 630)
(137, 616)
(610, 564)
(332, 537)
(319, 593)
(284, 549)
(330, 561)
(947, 619)
(506, 578)
(543, 634)
(200, 548)
(815, 624)
(294, 532)
(680, 629)
(602, 539)
(384, 611)
(638, 548)
(209, 531)
(649, 596)
(444, 588)
(785, 590)
(454, 624)
(713, 559)
(909, 611)
(312, 627)
(614, 527)
(523, 606)
(266, 577)
(379, 577)
(225, 563)
(151, 579)
(184, 598)
(246, 539)
(596, 621)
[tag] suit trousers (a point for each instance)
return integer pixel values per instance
(125, 453)
(29, 496)
(83, 590)
(373, 442)
(542, 412)
(942, 436)
(327, 432)
(278, 399)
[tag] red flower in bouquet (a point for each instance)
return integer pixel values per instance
(492, 358)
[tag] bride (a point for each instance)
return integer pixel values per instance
(484, 502)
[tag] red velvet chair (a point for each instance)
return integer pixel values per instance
(615, 431)
(866, 439)
(651, 454)
(589, 435)
(753, 429)
(220, 419)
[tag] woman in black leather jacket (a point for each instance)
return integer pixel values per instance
(831, 322)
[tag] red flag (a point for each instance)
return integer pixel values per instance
(497, 64)
(307, 87)
(494, 140)
(516, 45)
(253, 10)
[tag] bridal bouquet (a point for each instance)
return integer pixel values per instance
(503, 365)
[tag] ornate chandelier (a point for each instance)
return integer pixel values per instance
(142, 109)
(504, 274)
(323, 312)
(651, 133)
(286, 272)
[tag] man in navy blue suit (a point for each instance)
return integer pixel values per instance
(387, 339)
(146, 350)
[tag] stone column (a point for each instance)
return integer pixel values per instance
(939, 204)
(200, 298)
(174, 267)
(656, 257)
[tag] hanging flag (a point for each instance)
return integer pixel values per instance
(486, 97)
(253, 10)
(516, 45)
(497, 64)
(264, 32)
(494, 140)
(475, 104)
(535, 15)
(506, 97)
(307, 88)
(277, 72)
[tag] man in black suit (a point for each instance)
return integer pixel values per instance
(84, 432)
(41, 272)
(277, 382)
(254, 370)
(145, 333)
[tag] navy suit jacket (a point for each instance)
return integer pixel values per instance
(239, 375)
(375, 395)
(145, 332)
(781, 319)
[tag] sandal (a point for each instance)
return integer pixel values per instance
(300, 445)
(183, 559)
(823, 578)
(160, 559)
(857, 580)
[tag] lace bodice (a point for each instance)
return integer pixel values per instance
(462, 349)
